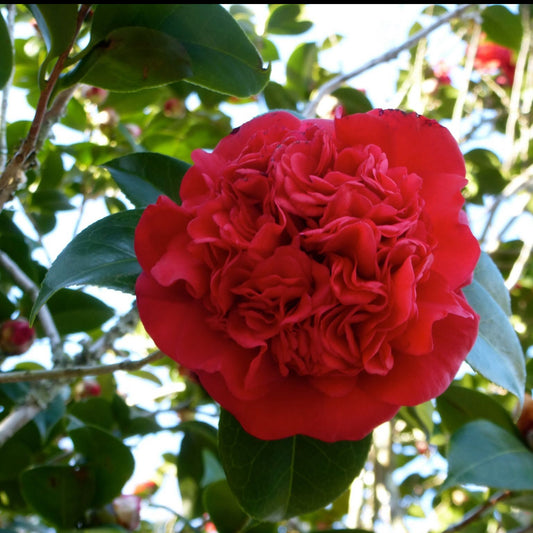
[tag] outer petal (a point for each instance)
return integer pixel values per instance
(293, 407)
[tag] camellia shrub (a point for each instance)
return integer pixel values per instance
(322, 306)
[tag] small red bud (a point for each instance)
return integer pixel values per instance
(95, 95)
(525, 421)
(87, 388)
(146, 489)
(174, 108)
(16, 336)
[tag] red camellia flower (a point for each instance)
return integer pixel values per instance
(311, 278)
(492, 58)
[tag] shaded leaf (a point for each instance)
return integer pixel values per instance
(482, 453)
(57, 24)
(223, 508)
(108, 458)
(131, 58)
(143, 177)
(275, 480)
(6, 53)
(284, 19)
(60, 494)
(459, 405)
(100, 255)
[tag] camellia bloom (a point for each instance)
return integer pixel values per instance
(492, 58)
(311, 278)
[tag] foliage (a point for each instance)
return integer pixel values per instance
(120, 95)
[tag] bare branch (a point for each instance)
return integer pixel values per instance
(339, 80)
(79, 371)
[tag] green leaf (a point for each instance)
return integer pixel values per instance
(100, 255)
(276, 480)
(57, 24)
(133, 58)
(301, 68)
(460, 405)
(482, 453)
(143, 177)
(352, 100)
(107, 457)
(198, 464)
(60, 494)
(6, 54)
(497, 353)
(93, 411)
(222, 57)
(75, 311)
(284, 20)
(223, 508)
(502, 27)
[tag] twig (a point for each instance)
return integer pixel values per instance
(337, 81)
(79, 371)
(18, 418)
(476, 512)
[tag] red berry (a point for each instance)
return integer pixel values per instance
(16, 336)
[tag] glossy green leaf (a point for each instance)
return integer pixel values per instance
(93, 411)
(57, 25)
(61, 494)
(502, 27)
(100, 255)
(460, 405)
(75, 311)
(144, 176)
(280, 479)
(108, 458)
(198, 464)
(133, 58)
(6, 54)
(497, 353)
(15, 456)
(482, 453)
(301, 68)
(222, 57)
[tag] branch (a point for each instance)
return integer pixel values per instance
(13, 174)
(476, 512)
(79, 371)
(5, 92)
(339, 80)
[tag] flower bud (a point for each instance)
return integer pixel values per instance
(146, 489)
(16, 336)
(87, 388)
(525, 421)
(127, 509)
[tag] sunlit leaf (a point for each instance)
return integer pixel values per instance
(497, 353)
(482, 453)
(276, 480)
(502, 27)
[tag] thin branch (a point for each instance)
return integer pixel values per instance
(17, 419)
(478, 511)
(79, 371)
(339, 80)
